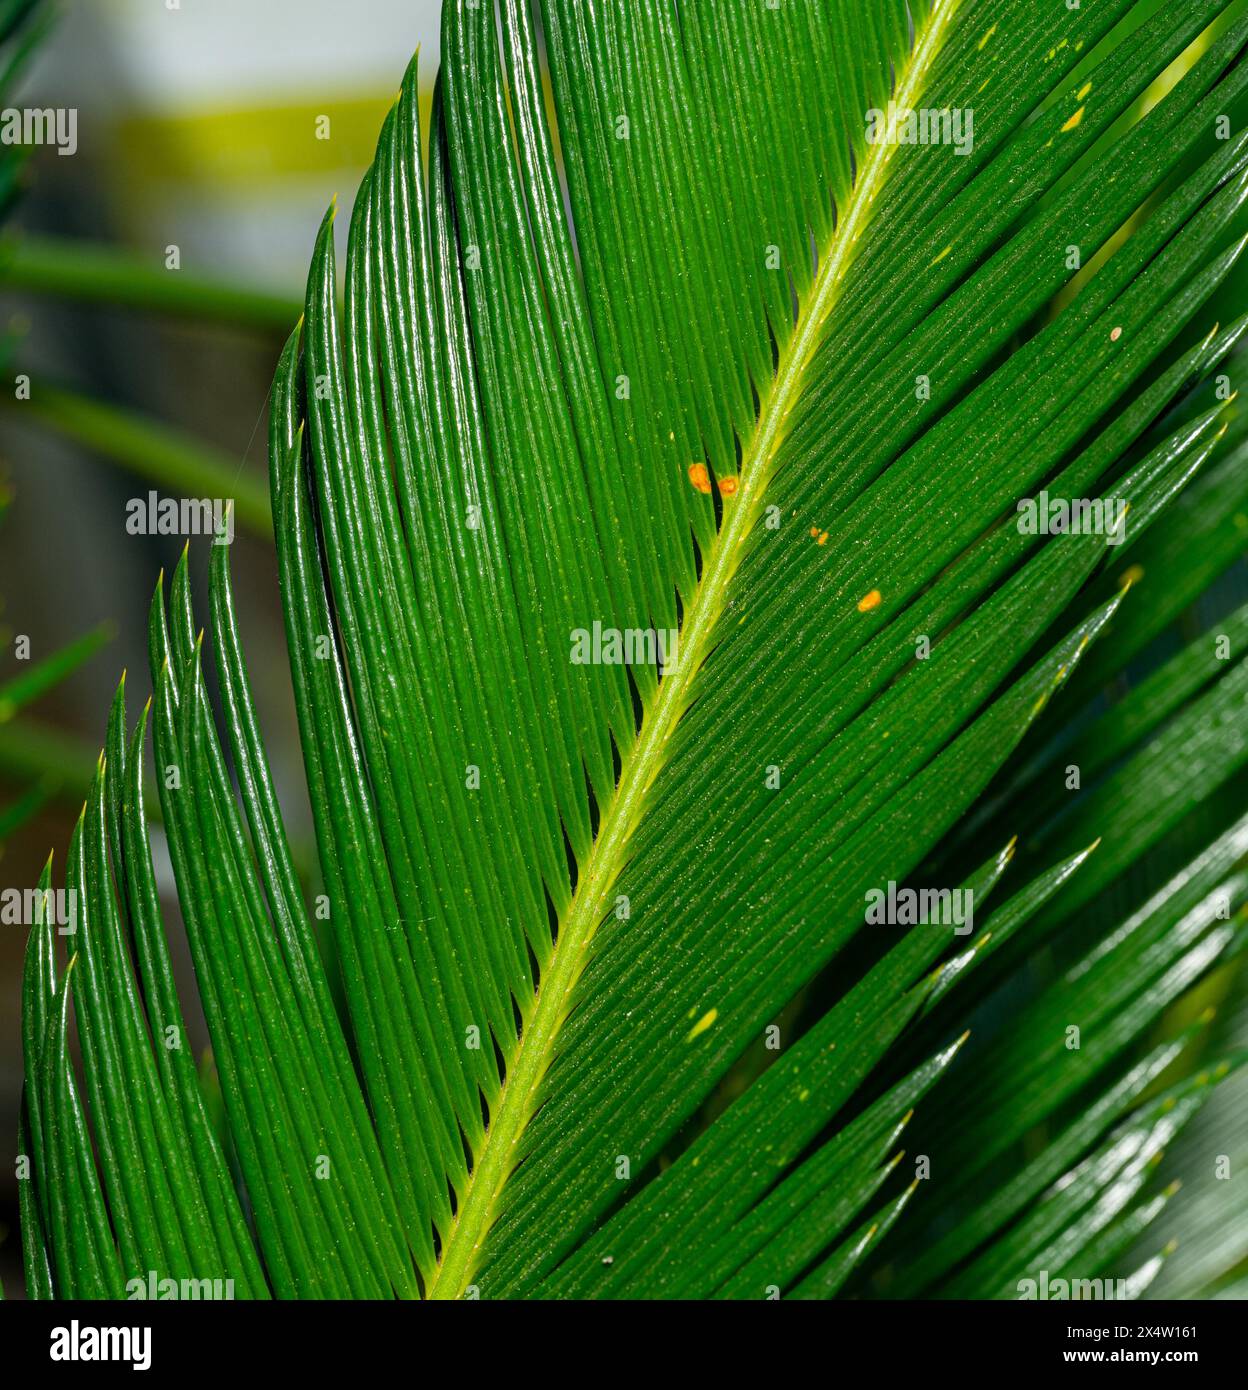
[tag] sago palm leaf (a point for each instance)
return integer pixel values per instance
(652, 339)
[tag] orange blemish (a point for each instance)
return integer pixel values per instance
(814, 532)
(823, 538)
(1115, 335)
(699, 477)
(728, 485)
(869, 601)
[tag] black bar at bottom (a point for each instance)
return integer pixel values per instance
(205, 1338)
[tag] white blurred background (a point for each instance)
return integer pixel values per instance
(197, 118)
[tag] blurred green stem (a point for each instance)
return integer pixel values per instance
(96, 274)
(43, 675)
(24, 809)
(154, 451)
(32, 751)
(60, 765)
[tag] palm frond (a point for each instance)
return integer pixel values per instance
(777, 388)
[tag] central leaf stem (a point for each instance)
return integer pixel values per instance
(591, 901)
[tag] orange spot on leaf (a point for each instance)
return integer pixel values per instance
(699, 477)
(869, 601)
(1131, 576)
(728, 485)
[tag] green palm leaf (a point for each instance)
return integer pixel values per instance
(779, 389)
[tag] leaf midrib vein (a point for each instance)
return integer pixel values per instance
(621, 816)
